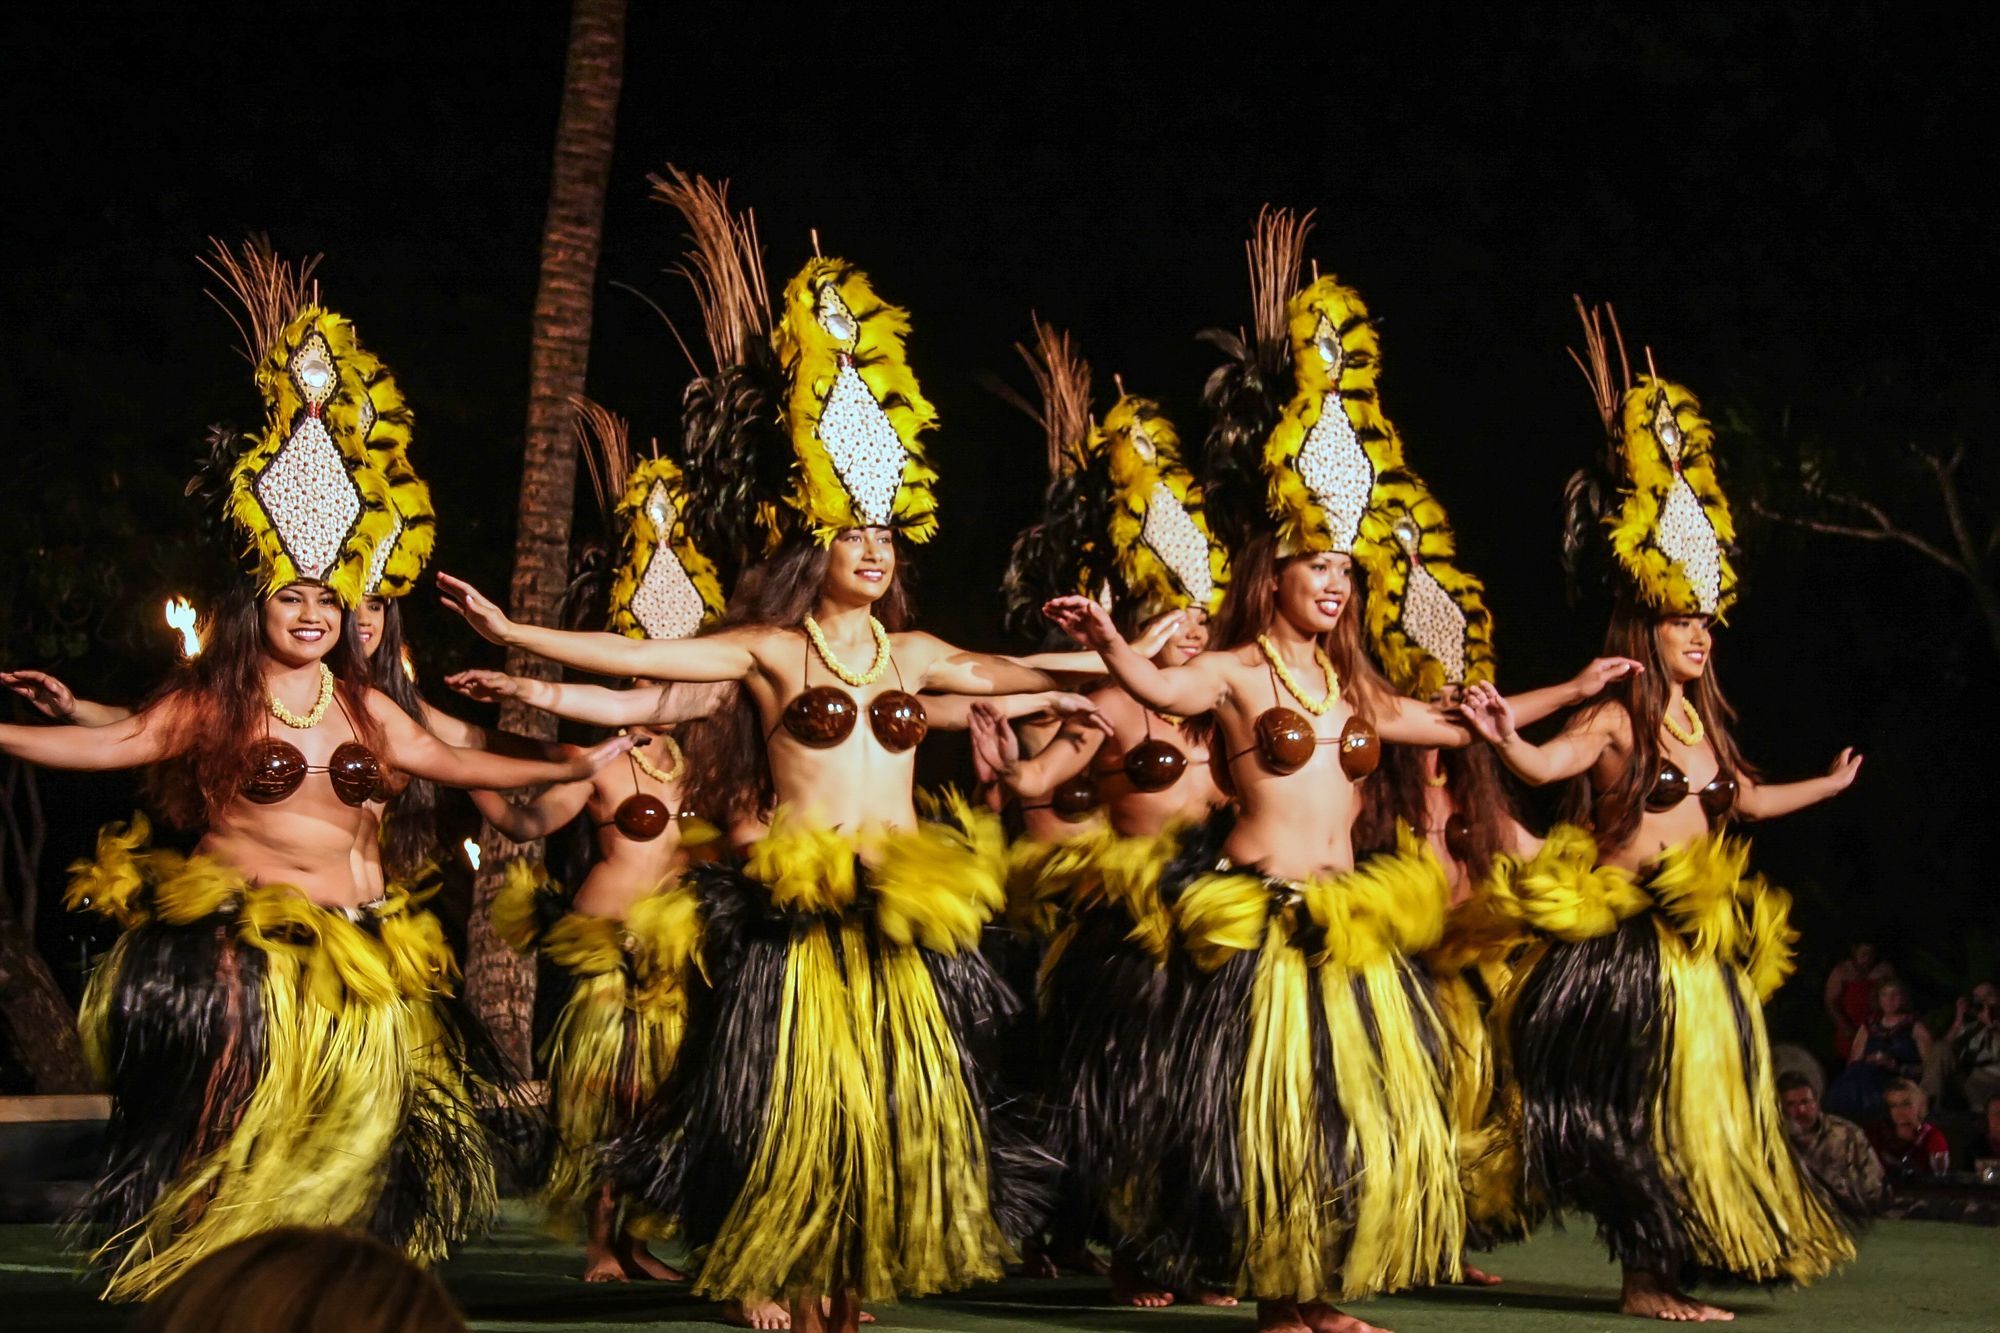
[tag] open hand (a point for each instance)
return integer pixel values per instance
(1157, 633)
(1845, 768)
(479, 610)
(1487, 712)
(995, 747)
(50, 696)
(597, 756)
(486, 687)
(1080, 708)
(1083, 619)
(1590, 682)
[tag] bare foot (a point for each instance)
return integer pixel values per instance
(1206, 1296)
(1323, 1318)
(1281, 1317)
(1130, 1287)
(1647, 1296)
(1477, 1277)
(756, 1314)
(1040, 1264)
(601, 1265)
(639, 1263)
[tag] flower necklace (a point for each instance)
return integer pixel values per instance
(840, 668)
(1319, 707)
(673, 772)
(310, 720)
(1695, 730)
(1442, 779)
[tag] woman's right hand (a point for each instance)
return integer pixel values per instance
(479, 610)
(1083, 619)
(1487, 712)
(487, 687)
(996, 750)
(1600, 672)
(597, 756)
(50, 696)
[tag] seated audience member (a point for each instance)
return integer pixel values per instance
(1834, 1149)
(1987, 1146)
(1973, 1041)
(303, 1280)
(1850, 994)
(1910, 1146)
(1890, 1046)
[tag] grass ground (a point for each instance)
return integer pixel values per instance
(1911, 1276)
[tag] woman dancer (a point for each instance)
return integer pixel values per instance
(276, 1036)
(1637, 1033)
(1299, 1151)
(842, 952)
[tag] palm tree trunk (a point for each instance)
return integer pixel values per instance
(499, 986)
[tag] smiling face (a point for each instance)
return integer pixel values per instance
(1313, 590)
(1684, 644)
(1801, 1107)
(368, 618)
(301, 623)
(860, 565)
(1189, 643)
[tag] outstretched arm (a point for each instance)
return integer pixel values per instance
(1061, 759)
(1406, 721)
(596, 705)
(131, 742)
(1773, 800)
(54, 699)
(1573, 752)
(1187, 690)
(416, 751)
(715, 657)
(538, 818)
(1534, 705)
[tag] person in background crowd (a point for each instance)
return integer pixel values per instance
(1972, 1044)
(1988, 1145)
(1850, 994)
(1910, 1146)
(1833, 1146)
(1890, 1046)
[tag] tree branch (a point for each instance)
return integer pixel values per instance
(1885, 529)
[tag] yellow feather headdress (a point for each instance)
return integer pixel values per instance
(325, 492)
(1427, 618)
(1670, 529)
(1160, 542)
(663, 586)
(855, 412)
(1331, 442)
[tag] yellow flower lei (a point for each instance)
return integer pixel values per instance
(840, 668)
(312, 719)
(1318, 708)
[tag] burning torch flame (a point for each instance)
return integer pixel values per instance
(410, 670)
(472, 852)
(180, 616)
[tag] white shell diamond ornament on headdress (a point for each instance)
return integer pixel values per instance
(1672, 529)
(1686, 535)
(1180, 545)
(1431, 616)
(666, 603)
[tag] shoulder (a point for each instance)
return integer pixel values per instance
(1606, 717)
(1840, 1127)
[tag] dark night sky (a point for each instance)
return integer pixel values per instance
(1774, 196)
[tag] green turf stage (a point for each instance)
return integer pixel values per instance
(1911, 1275)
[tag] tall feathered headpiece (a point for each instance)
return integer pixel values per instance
(1163, 553)
(1427, 619)
(856, 414)
(323, 493)
(663, 587)
(1662, 512)
(1063, 551)
(1295, 404)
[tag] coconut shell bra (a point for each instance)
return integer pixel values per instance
(278, 768)
(1285, 742)
(823, 716)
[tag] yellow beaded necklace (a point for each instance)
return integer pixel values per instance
(1695, 729)
(840, 668)
(673, 772)
(310, 720)
(1317, 707)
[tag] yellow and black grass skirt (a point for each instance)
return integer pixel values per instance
(1636, 1034)
(1304, 1147)
(832, 1123)
(619, 1031)
(1470, 970)
(271, 1063)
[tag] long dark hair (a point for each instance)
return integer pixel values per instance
(410, 827)
(1397, 791)
(219, 708)
(728, 768)
(1251, 604)
(1614, 812)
